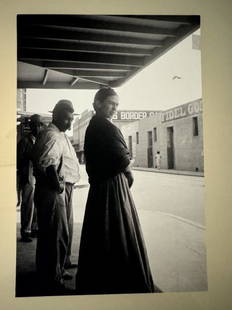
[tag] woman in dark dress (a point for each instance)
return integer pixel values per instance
(112, 256)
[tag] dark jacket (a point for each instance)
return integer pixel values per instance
(24, 157)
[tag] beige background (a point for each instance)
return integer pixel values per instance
(216, 75)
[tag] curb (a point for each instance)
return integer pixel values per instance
(175, 172)
(183, 220)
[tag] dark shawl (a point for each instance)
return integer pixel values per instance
(105, 149)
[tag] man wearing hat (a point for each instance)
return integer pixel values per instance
(56, 171)
(26, 178)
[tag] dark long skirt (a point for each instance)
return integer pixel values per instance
(112, 257)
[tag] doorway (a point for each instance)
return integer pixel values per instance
(150, 163)
(170, 147)
(130, 146)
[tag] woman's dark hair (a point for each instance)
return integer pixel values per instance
(102, 94)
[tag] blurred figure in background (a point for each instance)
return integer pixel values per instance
(157, 160)
(26, 180)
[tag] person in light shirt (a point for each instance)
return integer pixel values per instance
(56, 170)
(71, 175)
(158, 160)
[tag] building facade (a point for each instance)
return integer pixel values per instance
(176, 133)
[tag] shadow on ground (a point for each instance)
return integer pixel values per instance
(27, 284)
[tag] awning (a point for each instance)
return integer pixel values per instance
(89, 51)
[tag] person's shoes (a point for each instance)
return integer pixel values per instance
(70, 266)
(34, 234)
(67, 276)
(62, 290)
(26, 239)
(57, 289)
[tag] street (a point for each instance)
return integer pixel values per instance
(177, 195)
(171, 212)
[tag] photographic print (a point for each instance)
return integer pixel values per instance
(110, 155)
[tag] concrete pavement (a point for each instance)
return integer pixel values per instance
(176, 251)
(175, 246)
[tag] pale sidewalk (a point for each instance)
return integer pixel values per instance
(176, 250)
(176, 246)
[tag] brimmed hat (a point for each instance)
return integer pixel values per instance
(63, 105)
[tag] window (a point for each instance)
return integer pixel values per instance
(137, 138)
(155, 134)
(195, 126)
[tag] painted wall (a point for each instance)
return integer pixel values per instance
(188, 149)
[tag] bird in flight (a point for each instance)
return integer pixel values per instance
(176, 77)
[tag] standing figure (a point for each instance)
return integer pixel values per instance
(157, 160)
(56, 170)
(71, 176)
(112, 255)
(26, 179)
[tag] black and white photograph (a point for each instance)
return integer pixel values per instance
(110, 155)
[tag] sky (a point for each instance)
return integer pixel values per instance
(151, 89)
